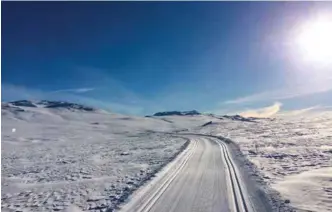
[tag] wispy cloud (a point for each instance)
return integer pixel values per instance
(93, 87)
(289, 92)
(74, 90)
(263, 112)
(12, 92)
(299, 111)
(305, 111)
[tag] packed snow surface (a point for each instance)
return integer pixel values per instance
(58, 155)
(292, 155)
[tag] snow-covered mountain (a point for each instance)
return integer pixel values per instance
(23, 103)
(77, 155)
(50, 104)
(178, 113)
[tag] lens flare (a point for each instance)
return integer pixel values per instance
(314, 40)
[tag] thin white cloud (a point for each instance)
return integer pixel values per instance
(263, 112)
(112, 93)
(314, 87)
(12, 92)
(74, 90)
(257, 112)
(299, 111)
(305, 111)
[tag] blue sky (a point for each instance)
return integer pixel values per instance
(144, 57)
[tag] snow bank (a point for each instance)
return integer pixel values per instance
(310, 190)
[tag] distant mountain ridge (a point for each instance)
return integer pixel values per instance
(240, 118)
(23, 103)
(48, 104)
(178, 113)
(20, 105)
(236, 117)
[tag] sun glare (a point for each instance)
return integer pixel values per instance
(314, 40)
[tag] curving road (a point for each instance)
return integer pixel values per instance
(202, 178)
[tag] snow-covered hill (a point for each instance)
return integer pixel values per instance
(290, 155)
(57, 154)
(50, 104)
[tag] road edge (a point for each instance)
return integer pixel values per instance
(261, 194)
(157, 175)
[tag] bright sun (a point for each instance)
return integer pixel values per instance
(314, 40)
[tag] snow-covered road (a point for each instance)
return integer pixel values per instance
(202, 178)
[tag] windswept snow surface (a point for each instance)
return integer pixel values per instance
(67, 157)
(58, 158)
(291, 155)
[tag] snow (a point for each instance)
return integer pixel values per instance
(309, 190)
(57, 159)
(287, 150)
(74, 159)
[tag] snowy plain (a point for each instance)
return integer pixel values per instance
(59, 157)
(64, 157)
(292, 155)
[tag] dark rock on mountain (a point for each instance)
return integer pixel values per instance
(240, 118)
(23, 103)
(46, 104)
(207, 123)
(66, 105)
(177, 113)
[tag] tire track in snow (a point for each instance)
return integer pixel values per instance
(240, 204)
(164, 178)
(151, 199)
